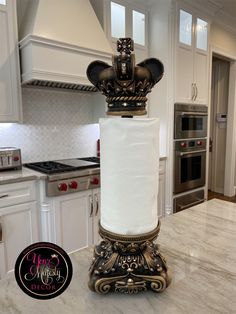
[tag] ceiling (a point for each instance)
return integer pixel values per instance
(223, 10)
(229, 7)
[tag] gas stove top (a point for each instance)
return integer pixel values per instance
(65, 165)
(69, 175)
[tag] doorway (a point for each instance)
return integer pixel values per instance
(218, 124)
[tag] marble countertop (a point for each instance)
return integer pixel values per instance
(25, 174)
(200, 247)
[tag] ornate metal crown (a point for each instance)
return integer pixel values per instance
(124, 84)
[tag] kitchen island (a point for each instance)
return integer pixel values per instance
(200, 246)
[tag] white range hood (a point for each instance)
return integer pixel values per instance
(58, 40)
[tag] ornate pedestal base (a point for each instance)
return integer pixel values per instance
(128, 264)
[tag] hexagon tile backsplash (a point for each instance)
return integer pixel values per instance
(56, 125)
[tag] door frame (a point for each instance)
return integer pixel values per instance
(230, 154)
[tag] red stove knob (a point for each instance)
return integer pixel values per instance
(95, 181)
(62, 187)
(199, 143)
(183, 144)
(73, 185)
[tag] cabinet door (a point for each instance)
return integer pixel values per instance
(201, 77)
(161, 196)
(184, 57)
(201, 61)
(10, 91)
(19, 229)
(72, 221)
(161, 190)
(96, 215)
(184, 74)
(191, 79)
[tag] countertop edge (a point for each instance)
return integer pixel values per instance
(15, 176)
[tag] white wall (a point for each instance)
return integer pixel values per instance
(56, 125)
(223, 39)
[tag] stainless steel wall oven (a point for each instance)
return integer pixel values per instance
(190, 121)
(189, 165)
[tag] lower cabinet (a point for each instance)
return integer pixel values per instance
(71, 220)
(161, 190)
(18, 229)
(76, 219)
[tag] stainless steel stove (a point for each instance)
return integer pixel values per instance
(69, 175)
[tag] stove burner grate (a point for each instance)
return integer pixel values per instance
(49, 167)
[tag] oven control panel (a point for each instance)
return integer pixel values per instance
(77, 184)
(190, 145)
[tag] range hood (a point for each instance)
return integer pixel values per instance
(58, 40)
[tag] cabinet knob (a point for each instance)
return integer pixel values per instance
(73, 185)
(95, 181)
(62, 187)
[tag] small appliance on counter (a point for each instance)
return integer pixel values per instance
(10, 158)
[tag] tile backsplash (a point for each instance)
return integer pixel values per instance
(56, 125)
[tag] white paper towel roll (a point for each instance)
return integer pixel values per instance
(129, 151)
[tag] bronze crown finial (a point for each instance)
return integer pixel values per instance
(125, 84)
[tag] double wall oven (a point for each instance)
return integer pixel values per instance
(190, 132)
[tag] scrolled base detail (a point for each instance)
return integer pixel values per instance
(128, 264)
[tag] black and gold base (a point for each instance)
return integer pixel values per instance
(128, 264)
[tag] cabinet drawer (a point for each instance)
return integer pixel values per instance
(17, 193)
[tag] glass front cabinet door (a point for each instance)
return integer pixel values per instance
(191, 58)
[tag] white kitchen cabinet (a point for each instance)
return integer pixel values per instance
(76, 219)
(161, 190)
(18, 222)
(96, 215)
(191, 79)
(10, 89)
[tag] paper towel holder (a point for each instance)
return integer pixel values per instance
(127, 263)
(125, 84)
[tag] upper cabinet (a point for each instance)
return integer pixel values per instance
(121, 18)
(191, 80)
(10, 89)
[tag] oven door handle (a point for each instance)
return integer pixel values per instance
(192, 152)
(192, 113)
(182, 207)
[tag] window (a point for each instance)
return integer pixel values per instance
(117, 20)
(185, 28)
(138, 28)
(3, 2)
(127, 22)
(201, 32)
